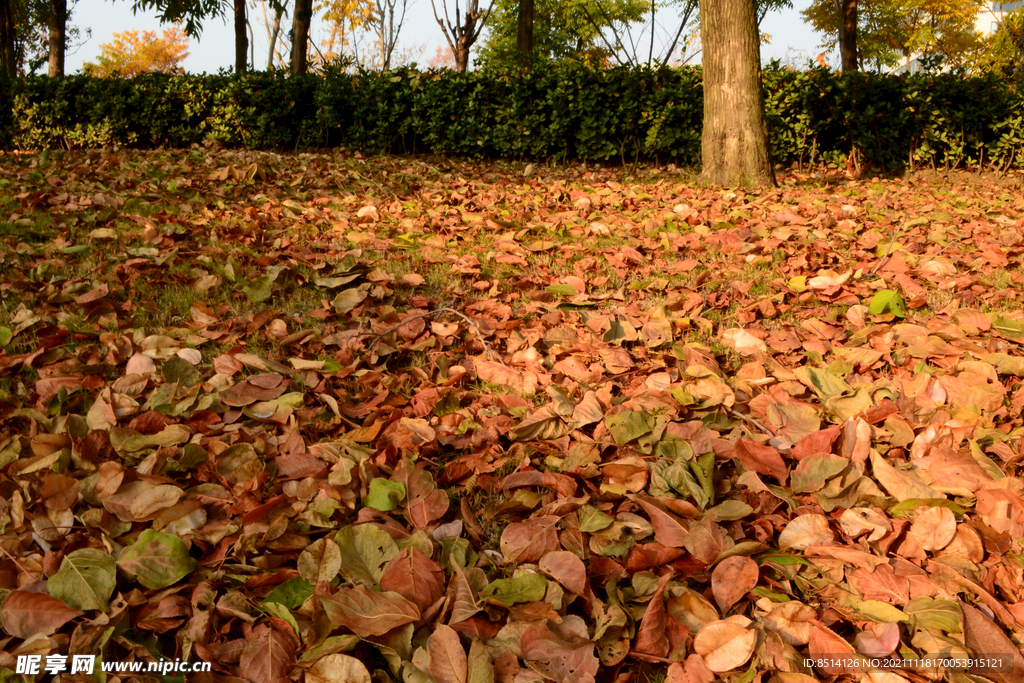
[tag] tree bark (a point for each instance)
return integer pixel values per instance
(300, 35)
(462, 55)
(524, 32)
(273, 37)
(58, 21)
(8, 66)
(734, 142)
(848, 34)
(241, 39)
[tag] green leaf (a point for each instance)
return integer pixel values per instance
(156, 560)
(523, 588)
(876, 610)
(365, 552)
(762, 592)
(888, 300)
(480, 666)
(86, 579)
(292, 593)
(348, 299)
(730, 510)
(259, 289)
(180, 371)
(125, 440)
(628, 425)
(944, 615)
(276, 609)
(5, 336)
(562, 290)
(812, 472)
(593, 520)
(384, 494)
(822, 382)
(1006, 364)
(1008, 327)
(906, 507)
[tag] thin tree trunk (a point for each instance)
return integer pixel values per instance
(524, 32)
(58, 36)
(734, 142)
(300, 35)
(8, 67)
(241, 39)
(273, 37)
(462, 55)
(848, 35)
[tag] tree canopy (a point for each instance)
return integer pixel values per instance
(136, 52)
(891, 31)
(562, 29)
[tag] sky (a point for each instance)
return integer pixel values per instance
(791, 38)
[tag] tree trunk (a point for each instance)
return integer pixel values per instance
(8, 67)
(734, 142)
(300, 35)
(848, 34)
(241, 39)
(273, 37)
(58, 36)
(462, 55)
(524, 32)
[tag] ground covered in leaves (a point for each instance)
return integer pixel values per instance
(336, 418)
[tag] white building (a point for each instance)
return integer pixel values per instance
(988, 19)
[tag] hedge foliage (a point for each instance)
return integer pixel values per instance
(561, 111)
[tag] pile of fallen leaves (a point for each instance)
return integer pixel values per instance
(395, 420)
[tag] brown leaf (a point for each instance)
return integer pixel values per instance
(530, 540)
(793, 621)
(805, 531)
(818, 442)
(986, 640)
(565, 486)
(265, 387)
(26, 614)
(693, 670)
(762, 459)
(424, 501)
(651, 639)
(560, 652)
(320, 561)
(733, 578)
(668, 529)
(337, 668)
(934, 527)
(724, 645)
(743, 343)
(415, 577)
(448, 663)
(268, 656)
(366, 612)
(522, 381)
(566, 568)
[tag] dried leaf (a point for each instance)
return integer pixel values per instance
(733, 578)
(369, 613)
(724, 645)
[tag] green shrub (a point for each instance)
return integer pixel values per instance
(561, 110)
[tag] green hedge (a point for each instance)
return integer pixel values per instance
(562, 111)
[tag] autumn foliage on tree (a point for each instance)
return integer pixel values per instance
(137, 52)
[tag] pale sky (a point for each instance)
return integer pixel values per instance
(215, 49)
